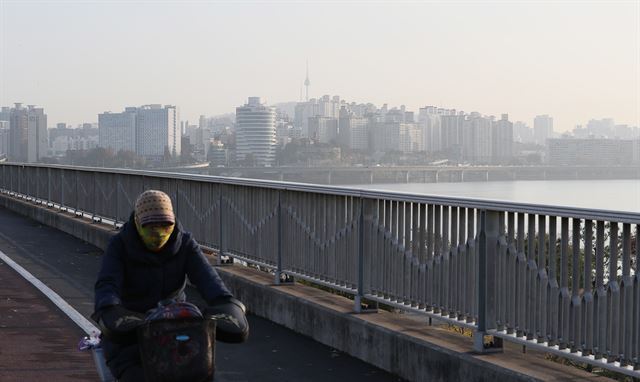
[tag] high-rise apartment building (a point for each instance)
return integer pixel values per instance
(476, 147)
(522, 133)
(502, 140)
(323, 129)
(5, 113)
(410, 138)
(28, 140)
(151, 131)
(353, 130)
(117, 131)
(4, 139)
(256, 132)
(429, 121)
(542, 129)
(37, 138)
(18, 127)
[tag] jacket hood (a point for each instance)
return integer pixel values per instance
(139, 252)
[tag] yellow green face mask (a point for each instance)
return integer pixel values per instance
(155, 236)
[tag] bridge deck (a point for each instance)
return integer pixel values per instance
(37, 341)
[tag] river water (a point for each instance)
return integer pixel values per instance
(616, 195)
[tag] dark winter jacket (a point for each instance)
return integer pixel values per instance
(138, 279)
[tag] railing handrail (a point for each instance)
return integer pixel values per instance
(487, 265)
(487, 204)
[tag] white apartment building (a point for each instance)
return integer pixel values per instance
(157, 131)
(256, 132)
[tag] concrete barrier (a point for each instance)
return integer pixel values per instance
(399, 343)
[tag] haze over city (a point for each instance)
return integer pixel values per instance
(575, 61)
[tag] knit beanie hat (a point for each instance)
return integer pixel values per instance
(153, 206)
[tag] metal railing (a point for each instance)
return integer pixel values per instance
(563, 280)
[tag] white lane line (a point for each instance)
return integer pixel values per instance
(73, 314)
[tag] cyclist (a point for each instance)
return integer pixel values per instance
(149, 261)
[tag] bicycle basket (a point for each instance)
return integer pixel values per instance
(178, 350)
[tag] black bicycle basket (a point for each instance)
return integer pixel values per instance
(178, 350)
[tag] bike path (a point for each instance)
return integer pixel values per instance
(69, 267)
(37, 340)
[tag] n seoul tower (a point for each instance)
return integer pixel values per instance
(307, 83)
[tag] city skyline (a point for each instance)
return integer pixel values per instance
(536, 68)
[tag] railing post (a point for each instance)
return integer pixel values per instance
(95, 184)
(49, 187)
(220, 223)
(359, 296)
(278, 273)
(115, 219)
(486, 281)
(62, 185)
(77, 194)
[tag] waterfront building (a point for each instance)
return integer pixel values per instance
(476, 147)
(635, 158)
(502, 140)
(256, 132)
(542, 129)
(590, 152)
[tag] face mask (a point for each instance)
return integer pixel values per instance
(154, 236)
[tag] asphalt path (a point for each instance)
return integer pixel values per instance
(273, 353)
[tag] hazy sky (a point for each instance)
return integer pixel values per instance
(574, 60)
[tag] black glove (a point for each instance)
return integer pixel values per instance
(231, 322)
(118, 324)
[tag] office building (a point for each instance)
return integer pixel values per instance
(117, 131)
(256, 133)
(157, 132)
